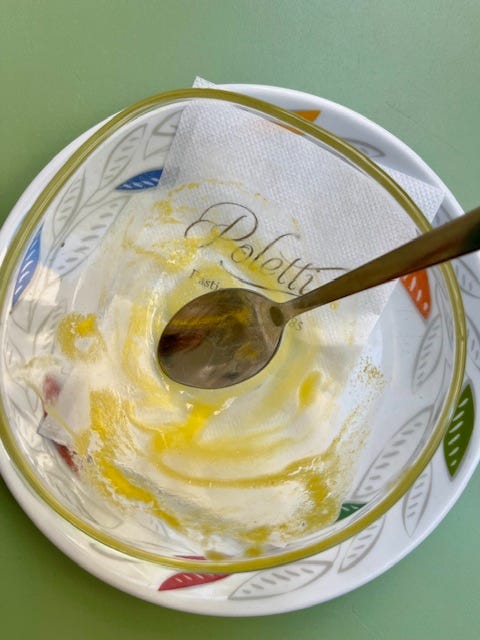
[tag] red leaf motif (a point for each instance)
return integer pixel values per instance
(51, 389)
(183, 580)
(418, 289)
(67, 456)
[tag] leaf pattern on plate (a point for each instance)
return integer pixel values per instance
(13, 357)
(162, 134)
(348, 508)
(186, 579)
(457, 438)
(416, 500)
(27, 266)
(67, 456)
(47, 329)
(275, 582)
(361, 545)
(468, 280)
(311, 114)
(33, 400)
(145, 180)
(418, 289)
(428, 355)
(473, 343)
(366, 148)
(29, 315)
(83, 238)
(68, 205)
(25, 426)
(28, 402)
(80, 502)
(444, 310)
(120, 156)
(395, 454)
(16, 354)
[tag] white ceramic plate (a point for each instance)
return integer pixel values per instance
(356, 561)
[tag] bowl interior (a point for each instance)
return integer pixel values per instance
(398, 378)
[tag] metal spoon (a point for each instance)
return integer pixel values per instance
(227, 336)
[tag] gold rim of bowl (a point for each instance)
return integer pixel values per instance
(405, 480)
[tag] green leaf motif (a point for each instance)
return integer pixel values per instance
(455, 442)
(348, 508)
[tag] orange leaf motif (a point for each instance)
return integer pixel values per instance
(418, 289)
(311, 116)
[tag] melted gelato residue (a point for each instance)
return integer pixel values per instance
(261, 463)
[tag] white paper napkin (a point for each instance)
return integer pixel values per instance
(316, 208)
(297, 212)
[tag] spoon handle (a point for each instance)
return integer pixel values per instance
(451, 240)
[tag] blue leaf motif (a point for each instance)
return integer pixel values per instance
(146, 180)
(28, 266)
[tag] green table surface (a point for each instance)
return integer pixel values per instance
(411, 66)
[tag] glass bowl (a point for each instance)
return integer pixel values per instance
(309, 453)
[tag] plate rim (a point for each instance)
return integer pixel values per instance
(58, 537)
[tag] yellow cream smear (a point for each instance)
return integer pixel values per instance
(233, 470)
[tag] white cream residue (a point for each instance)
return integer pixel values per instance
(263, 462)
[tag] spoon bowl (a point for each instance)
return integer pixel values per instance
(221, 338)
